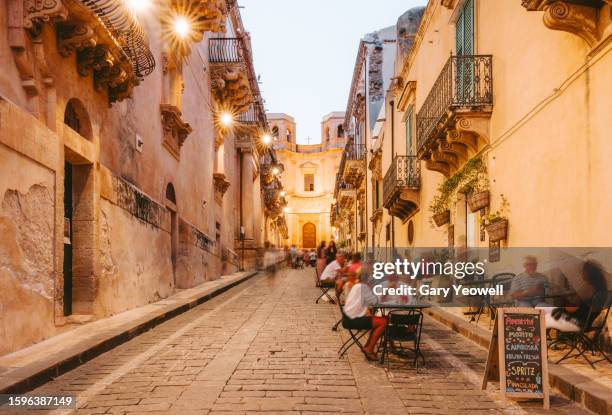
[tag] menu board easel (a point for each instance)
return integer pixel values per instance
(522, 366)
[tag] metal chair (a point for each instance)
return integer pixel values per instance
(356, 333)
(404, 327)
(589, 338)
(325, 286)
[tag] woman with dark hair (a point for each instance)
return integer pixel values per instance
(573, 317)
(330, 252)
(321, 259)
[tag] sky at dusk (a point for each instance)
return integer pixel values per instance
(305, 52)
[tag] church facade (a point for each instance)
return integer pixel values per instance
(309, 177)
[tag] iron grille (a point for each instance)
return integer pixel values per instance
(128, 33)
(355, 151)
(465, 82)
(405, 171)
(225, 50)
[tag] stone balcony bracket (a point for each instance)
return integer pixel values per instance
(581, 18)
(175, 129)
(221, 184)
(115, 57)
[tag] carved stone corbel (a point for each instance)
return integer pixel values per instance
(449, 4)
(568, 16)
(230, 86)
(466, 139)
(38, 12)
(443, 168)
(479, 126)
(175, 129)
(74, 36)
(221, 184)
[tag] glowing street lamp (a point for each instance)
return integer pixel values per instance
(266, 139)
(275, 171)
(181, 27)
(227, 119)
(283, 193)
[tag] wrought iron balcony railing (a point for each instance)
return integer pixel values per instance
(226, 50)
(355, 152)
(465, 83)
(404, 172)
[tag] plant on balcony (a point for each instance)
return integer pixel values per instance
(440, 213)
(496, 223)
(472, 180)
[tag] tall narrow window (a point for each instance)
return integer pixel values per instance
(409, 131)
(464, 35)
(376, 194)
(340, 131)
(309, 182)
(464, 46)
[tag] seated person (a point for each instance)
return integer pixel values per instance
(356, 310)
(570, 319)
(313, 258)
(529, 287)
(334, 268)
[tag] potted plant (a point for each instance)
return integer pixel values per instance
(496, 223)
(476, 188)
(439, 210)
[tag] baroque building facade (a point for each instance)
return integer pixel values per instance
(484, 144)
(309, 177)
(130, 150)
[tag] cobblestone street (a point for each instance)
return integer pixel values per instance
(265, 346)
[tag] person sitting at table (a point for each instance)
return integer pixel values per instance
(334, 268)
(356, 309)
(570, 319)
(529, 287)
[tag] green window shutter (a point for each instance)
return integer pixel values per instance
(464, 35)
(409, 131)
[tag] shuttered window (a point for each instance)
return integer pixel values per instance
(464, 36)
(409, 131)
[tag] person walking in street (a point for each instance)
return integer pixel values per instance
(321, 259)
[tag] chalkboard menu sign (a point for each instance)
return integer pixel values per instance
(519, 342)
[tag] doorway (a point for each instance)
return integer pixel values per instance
(309, 235)
(67, 239)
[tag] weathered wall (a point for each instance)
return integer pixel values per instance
(27, 274)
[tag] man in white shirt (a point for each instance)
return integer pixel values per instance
(330, 272)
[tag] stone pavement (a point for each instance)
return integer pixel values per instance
(264, 346)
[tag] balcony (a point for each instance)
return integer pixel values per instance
(354, 165)
(346, 196)
(453, 122)
(401, 186)
(109, 43)
(333, 214)
(230, 73)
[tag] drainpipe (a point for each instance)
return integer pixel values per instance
(392, 158)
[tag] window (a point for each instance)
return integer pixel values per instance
(327, 134)
(275, 132)
(340, 131)
(388, 232)
(309, 182)
(409, 131)
(376, 193)
(288, 135)
(464, 30)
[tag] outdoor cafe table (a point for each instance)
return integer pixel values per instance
(383, 307)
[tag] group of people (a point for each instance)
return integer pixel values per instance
(530, 289)
(300, 258)
(352, 290)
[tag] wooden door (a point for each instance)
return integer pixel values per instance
(309, 235)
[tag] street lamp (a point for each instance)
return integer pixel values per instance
(275, 171)
(266, 139)
(227, 119)
(283, 193)
(181, 27)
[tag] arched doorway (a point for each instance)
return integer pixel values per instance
(309, 235)
(174, 226)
